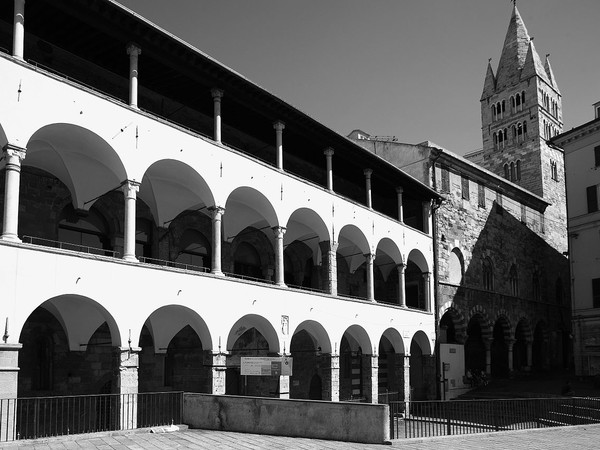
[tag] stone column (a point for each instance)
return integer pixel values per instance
(328, 152)
(407, 396)
(279, 126)
(329, 262)
(217, 95)
(529, 355)
(217, 372)
(401, 285)
(488, 355)
(279, 269)
(9, 370)
(130, 189)
(19, 29)
(510, 344)
(216, 213)
(368, 173)
(399, 192)
(14, 156)
(426, 216)
(134, 52)
(127, 386)
(427, 290)
(331, 377)
(370, 378)
(370, 277)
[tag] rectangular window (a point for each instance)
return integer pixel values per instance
(596, 292)
(592, 198)
(542, 222)
(523, 213)
(597, 156)
(481, 195)
(465, 187)
(445, 180)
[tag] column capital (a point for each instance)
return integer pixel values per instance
(216, 211)
(12, 150)
(368, 172)
(328, 151)
(370, 256)
(133, 49)
(401, 267)
(399, 189)
(130, 187)
(279, 231)
(279, 125)
(217, 94)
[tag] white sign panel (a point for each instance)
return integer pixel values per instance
(266, 366)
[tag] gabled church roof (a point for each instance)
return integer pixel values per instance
(489, 86)
(533, 65)
(514, 52)
(550, 74)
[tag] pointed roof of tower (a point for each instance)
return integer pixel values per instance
(533, 65)
(489, 86)
(550, 74)
(514, 51)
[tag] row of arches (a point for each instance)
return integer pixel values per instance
(517, 102)
(64, 354)
(499, 347)
(518, 134)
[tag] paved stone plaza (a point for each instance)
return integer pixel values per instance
(579, 437)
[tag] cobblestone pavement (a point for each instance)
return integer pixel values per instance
(578, 437)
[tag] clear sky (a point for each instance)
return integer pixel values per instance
(413, 69)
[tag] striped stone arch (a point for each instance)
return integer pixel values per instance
(458, 319)
(525, 330)
(479, 313)
(503, 317)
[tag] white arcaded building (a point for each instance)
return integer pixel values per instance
(164, 216)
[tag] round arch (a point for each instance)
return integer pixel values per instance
(170, 187)
(86, 164)
(262, 325)
(168, 320)
(247, 207)
(80, 317)
(420, 338)
(318, 332)
(352, 246)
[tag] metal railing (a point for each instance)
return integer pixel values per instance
(68, 246)
(177, 265)
(441, 418)
(40, 417)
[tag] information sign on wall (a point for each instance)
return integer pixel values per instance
(266, 366)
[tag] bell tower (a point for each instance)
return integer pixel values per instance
(521, 109)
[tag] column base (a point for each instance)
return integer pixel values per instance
(217, 273)
(130, 258)
(10, 238)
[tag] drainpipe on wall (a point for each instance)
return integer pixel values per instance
(438, 373)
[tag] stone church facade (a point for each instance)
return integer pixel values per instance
(502, 277)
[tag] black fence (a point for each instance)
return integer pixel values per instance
(442, 418)
(31, 418)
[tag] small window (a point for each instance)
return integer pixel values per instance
(536, 288)
(592, 198)
(554, 170)
(506, 172)
(445, 180)
(512, 171)
(499, 209)
(488, 275)
(481, 195)
(523, 213)
(465, 188)
(519, 170)
(597, 156)
(513, 281)
(596, 292)
(542, 223)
